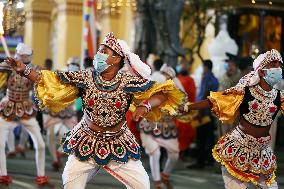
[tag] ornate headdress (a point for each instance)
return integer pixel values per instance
(132, 60)
(260, 62)
(23, 49)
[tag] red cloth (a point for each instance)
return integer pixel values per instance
(132, 125)
(186, 133)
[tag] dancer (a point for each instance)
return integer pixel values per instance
(245, 153)
(17, 108)
(102, 139)
(66, 117)
(155, 135)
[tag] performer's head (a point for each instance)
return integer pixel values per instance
(231, 65)
(24, 53)
(168, 72)
(114, 54)
(73, 64)
(269, 67)
(109, 55)
(207, 66)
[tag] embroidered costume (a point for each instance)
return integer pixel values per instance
(105, 103)
(245, 157)
(17, 108)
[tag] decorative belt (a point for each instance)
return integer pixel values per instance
(17, 96)
(101, 147)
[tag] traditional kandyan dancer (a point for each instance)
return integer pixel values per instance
(102, 139)
(66, 117)
(164, 133)
(17, 108)
(245, 153)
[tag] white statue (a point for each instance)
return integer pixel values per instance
(221, 44)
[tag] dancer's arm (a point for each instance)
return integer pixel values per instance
(20, 67)
(204, 104)
(154, 101)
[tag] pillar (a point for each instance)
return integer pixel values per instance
(70, 30)
(37, 28)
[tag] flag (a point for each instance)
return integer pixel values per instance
(89, 34)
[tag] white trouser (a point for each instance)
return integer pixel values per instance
(24, 136)
(11, 141)
(77, 173)
(234, 183)
(49, 124)
(152, 148)
(32, 126)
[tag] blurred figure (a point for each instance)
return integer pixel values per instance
(48, 64)
(229, 79)
(22, 112)
(186, 132)
(66, 117)
(245, 65)
(205, 133)
(157, 75)
(162, 134)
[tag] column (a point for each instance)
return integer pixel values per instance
(37, 28)
(70, 30)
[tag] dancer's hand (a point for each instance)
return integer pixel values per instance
(16, 65)
(139, 113)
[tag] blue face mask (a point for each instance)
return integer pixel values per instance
(273, 76)
(226, 67)
(100, 63)
(178, 68)
(73, 67)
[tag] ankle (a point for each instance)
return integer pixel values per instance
(5, 179)
(41, 180)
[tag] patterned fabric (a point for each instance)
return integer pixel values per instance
(260, 107)
(246, 157)
(256, 106)
(106, 102)
(165, 128)
(102, 147)
(112, 43)
(17, 104)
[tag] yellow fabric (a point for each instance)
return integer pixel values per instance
(175, 98)
(225, 106)
(53, 93)
(3, 79)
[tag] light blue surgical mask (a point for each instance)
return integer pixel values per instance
(178, 68)
(100, 63)
(273, 76)
(73, 68)
(226, 67)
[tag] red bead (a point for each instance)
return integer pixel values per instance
(230, 150)
(255, 161)
(102, 151)
(133, 146)
(242, 158)
(273, 157)
(272, 109)
(118, 104)
(72, 141)
(266, 162)
(254, 106)
(91, 102)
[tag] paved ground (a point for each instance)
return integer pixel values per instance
(23, 172)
